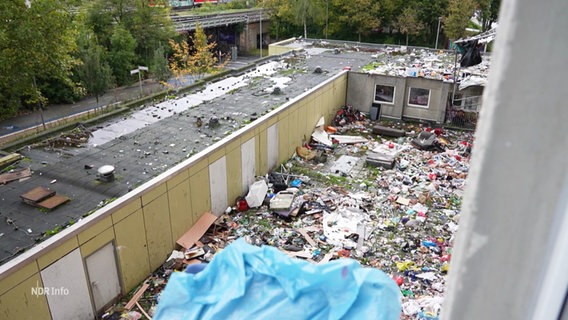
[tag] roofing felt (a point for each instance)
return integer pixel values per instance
(145, 143)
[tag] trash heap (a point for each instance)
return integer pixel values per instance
(398, 215)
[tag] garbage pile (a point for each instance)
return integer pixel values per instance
(400, 218)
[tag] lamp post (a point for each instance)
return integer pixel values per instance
(139, 71)
(260, 36)
(438, 32)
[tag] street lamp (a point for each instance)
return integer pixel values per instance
(139, 71)
(438, 32)
(261, 7)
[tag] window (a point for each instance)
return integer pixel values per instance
(384, 94)
(419, 97)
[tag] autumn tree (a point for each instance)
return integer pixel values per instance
(196, 60)
(408, 23)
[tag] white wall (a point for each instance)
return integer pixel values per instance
(510, 258)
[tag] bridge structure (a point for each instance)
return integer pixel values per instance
(255, 22)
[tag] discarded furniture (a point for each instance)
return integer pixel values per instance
(426, 141)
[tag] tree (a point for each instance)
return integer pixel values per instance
(122, 57)
(488, 12)
(361, 16)
(297, 12)
(459, 14)
(159, 65)
(95, 73)
(196, 60)
(37, 43)
(408, 23)
(150, 26)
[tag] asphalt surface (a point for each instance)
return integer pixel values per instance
(145, 143)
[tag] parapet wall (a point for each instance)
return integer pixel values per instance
(79, 271)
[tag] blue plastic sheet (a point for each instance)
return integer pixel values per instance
(249, 282)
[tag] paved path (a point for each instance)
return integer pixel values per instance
(54, 112)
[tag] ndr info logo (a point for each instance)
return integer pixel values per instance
(49, 291)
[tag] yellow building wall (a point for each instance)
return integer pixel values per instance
(145, 223)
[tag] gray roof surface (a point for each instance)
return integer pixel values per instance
(162, 135)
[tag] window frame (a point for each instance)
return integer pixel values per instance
(384, 102)
(419, 105)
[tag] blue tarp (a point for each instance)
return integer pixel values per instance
(249, 282)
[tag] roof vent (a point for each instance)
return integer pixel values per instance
(106, 173)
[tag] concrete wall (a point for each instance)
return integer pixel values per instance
(361, 94)
(510, 256)
(144, 225)
(280, 47)
(248, 37)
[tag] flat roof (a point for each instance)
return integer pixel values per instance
(147, 142)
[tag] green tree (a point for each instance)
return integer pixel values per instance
(95, 74)
(488, 12)
(150, 26)
(458, 16)
(408, 23)
(122, 57)
(360, 16)
(159, 65)
(297, 12)
(37, 43)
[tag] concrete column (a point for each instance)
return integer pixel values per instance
(510, 259)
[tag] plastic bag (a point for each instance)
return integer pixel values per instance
(248, 282)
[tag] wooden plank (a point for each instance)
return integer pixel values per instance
(37, 194)
(136, 296)
(13, 176)
(307, 236)
(188, 239)
(53, 202)
(326, 258)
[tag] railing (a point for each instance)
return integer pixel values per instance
(188, 22)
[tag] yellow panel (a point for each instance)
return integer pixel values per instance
(156, 191)
(180, 209)
(132, 251)
(257, 156)
(57, 253)
(97, 242)
(18, 276)
(135, 204)
(246, 136)
(177, 179)
(158, 231)
(234, 175)
(94, 230)
(284, 140)
(236, 143)
(262, 154)
(271, 121)
(198, 166)
(200, 195)
(216, 155)
(294, 135)
(283, 115)
(21, 303)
